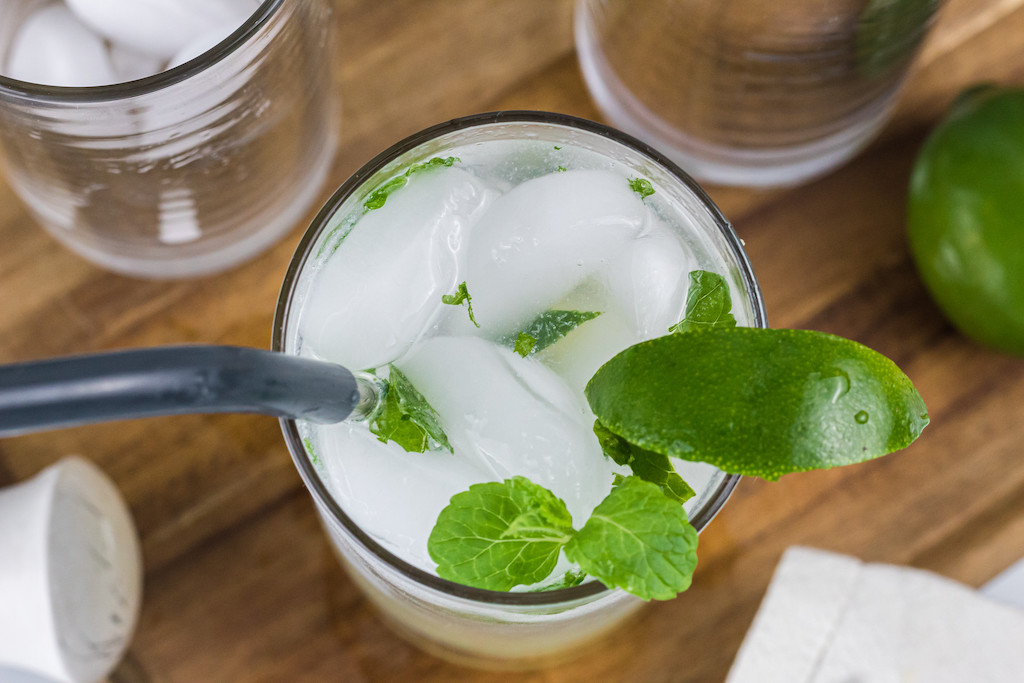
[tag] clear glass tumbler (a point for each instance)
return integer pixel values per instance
(750, 92)
(189, 171)
(469, 625)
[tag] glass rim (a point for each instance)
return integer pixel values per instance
(304, 251)
(11, 87)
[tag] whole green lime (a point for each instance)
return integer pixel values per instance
(966, 216)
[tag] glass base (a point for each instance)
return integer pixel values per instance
(708, 162)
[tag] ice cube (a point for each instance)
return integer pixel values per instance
(382, 288)
(542, 238)
(131, 65)
(160, 27)
(393, 495)
(512, 416)
(52, 47)
(201, 44)
(647, 283)
(578, 355)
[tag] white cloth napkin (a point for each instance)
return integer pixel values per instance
(829, 618)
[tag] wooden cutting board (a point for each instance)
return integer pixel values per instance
(240, 581)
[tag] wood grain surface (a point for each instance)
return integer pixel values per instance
(240, 583)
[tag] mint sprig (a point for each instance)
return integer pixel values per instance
(648, 465)
(501, 535)
(461, 296)
(406, 417)
(550, 326)
(637, 539)
(708, 303)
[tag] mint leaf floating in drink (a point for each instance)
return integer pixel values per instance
(500, 535)
(758, 402)
(637, 539)
(648, 465)
(379, 196)
(406, 417)
(376, 200)
(573, 577)
(708, 303)
(642, 187)
(550, 326)
(524, 344)
(461, 295)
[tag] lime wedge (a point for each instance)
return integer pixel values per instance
(758, 402)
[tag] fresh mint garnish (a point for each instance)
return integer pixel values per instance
(550, 326)
(642, 187)
(561, 169)
(708, 303)
(500, 535)
(379, 196)
(637, 539)
(524, 344)
(648, 465)
(461, 295)
(758, 402)
(406, 417)
(505, 534)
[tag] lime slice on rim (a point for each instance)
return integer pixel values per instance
(758, 402)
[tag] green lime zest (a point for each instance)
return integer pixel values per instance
(642, 187)
(639, 540)
(648, 465)
(461, 296)
(708, 303)
(550, 326)
(500, 535)
(379, 196)
(524, 344)
(561, 169)
(758, 402)
(407, 418)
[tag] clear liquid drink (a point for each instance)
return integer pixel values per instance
(529, 214)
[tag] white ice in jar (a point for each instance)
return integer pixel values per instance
(53, 47)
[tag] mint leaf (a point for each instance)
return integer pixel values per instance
(376, 200)
(758, 402)
(648, 465)
(642, 187)
(708, 303)
(550, 326)
(637, 539)
(379, 196)
(500, 535)
(461, 295)
(406, 417)
(524, 344)
(313, 457)
(573, 577)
